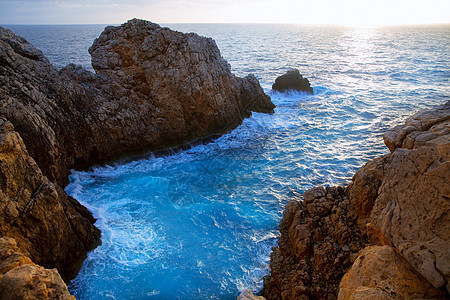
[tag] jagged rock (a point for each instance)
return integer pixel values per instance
(400, 200)
(422, 128)
(319, 242)
(155, 88)
(20, 278)
(380, 272)
(51, 228)
(292, 80)
(412, 208)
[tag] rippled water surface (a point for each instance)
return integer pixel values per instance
(199, 224)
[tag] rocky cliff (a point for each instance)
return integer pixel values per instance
(154, 88)
(388, 231)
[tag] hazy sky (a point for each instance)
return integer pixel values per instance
(345, 12)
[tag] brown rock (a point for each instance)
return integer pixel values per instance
(20, 278)
(400, 200)
(154, 89)
(412, 210)
(318, 243)
(380, 272)
(248, 295)
(49, 227)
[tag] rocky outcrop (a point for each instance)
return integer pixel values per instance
(399, 202)
(20, 278)
(53, 229)
(319, 241)
(292, 81)
(154, 88)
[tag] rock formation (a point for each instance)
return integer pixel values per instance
(398, 203)
(294, 81)
(154, 88)
(53, 229)
(20, 278)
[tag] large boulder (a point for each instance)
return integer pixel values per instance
(292, 81)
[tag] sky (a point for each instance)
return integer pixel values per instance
(340, 12)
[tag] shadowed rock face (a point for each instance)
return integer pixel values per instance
(399, 202)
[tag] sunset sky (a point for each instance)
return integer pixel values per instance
(342, 12)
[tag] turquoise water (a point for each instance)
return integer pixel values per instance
(199, 224)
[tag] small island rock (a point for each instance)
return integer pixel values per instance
(292, 80)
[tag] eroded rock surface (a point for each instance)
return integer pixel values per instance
(154, 88)
(380, 272)
(319, 241)
(20, 278)
(53, 229)
(399, 202)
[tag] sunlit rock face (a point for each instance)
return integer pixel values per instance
(399, 202)
(20, 278)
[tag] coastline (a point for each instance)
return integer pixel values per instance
(338, 194)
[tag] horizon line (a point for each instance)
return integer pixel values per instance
(235, 23)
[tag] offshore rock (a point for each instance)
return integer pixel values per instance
(20, 278)
(53, 229)
(399, 202)
(380, 272)
(292, 80)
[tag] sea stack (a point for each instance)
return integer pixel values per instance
(292, 81)
(154, 89)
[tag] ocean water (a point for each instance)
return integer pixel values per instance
(200, 223)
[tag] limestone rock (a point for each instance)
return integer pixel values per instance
(380, 272)
(20, 278)
(400, 200)
(292, 80)
(51, 228)
(154, 88)
(412, 208)
(319, 242)
(425, 127)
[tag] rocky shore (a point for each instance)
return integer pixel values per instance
(153, 89)
(384, 236)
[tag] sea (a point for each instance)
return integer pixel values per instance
(200, 223)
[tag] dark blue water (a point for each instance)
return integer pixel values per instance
(199, 224)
